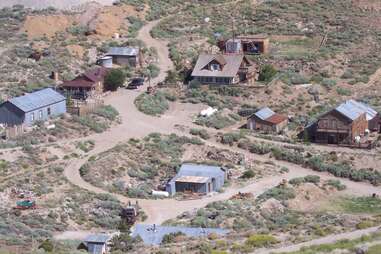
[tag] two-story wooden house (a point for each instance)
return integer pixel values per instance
(346, 124)
(219, 69)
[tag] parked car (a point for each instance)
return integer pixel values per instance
(132, 86)
(137, 81)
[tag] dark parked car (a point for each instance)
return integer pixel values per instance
(137, 81)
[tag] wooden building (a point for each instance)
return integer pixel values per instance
(246, 44)
(219, 69)
(86, 85)
(28, 109)
(268, 121)
(347, 124)
(125, 56)
(197, 178)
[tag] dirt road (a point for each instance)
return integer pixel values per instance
(137, 125)
(324, 240)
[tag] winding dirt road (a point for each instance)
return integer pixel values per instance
(137, 125)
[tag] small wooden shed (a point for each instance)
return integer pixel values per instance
(267, 120)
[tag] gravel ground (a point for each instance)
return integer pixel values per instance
(58, 4)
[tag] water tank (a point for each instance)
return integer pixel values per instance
(105, 61)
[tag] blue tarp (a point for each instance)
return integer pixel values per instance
(155, 237)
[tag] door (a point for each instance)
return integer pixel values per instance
(332, 139)
(209, 187)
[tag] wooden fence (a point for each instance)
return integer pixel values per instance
(80, 108)
(14, 131)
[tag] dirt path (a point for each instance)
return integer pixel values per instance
(164, 62)
(137, 125)
(324, 240)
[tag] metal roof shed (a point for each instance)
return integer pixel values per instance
(192, 172)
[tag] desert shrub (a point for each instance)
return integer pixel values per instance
(229, 91)
(260, 240)
(114, 79)
(124, 243)
(230, 138)
(171, 237)
(248, 174)
(194, 84)
(108, 112)
(91, 123)
(343, 91)
(152, 104)
(297, 181)
(336, 184)
(328, 83)
(200, 132)
(364, 224)
(361, 204)
(267, 73)
(253, 147)
(280, 193)
(348, 74)
(47, 246)
(217, 121)
(287, 155)
(135, 25)
(152, 71)
(247, 110)
(84, 170)
(293, 78)
(312, 179)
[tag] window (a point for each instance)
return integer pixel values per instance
(209, 80)
(220, 80)
(49, 111)
(40, 114)
(215, 67)
(32, 117)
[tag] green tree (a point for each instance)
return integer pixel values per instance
(114, 79)
(267, 73)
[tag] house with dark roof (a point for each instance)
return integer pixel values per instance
(30, 108)
(267, 120)
(85, 85)
(197, 178)
(346, 124)
(125, 56)
(96, 244)
(219, 69)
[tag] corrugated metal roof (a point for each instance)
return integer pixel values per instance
(230, 69)
(264, 113)
(36, 100)
(123, 51)
(350, 109)
(199, 170)
(155, 237)
(192, 179)
(97, 238)
(370, 112)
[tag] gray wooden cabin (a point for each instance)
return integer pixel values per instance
(30, 108)
(197, 179)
